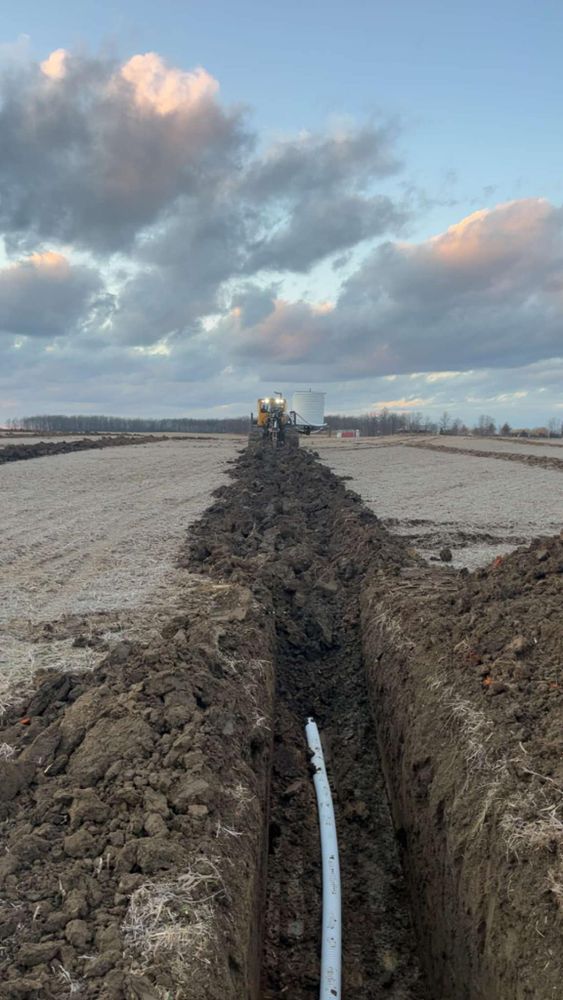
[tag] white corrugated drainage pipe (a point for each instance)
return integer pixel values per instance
(331, 955)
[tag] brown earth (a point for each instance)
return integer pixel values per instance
(19, 452)
(290, 529)
(465, 674)
(139, 802)
(129, 778)
(543, 461)
(124, 871)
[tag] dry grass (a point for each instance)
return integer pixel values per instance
(70, 986)
(241, 794)
(555, 882)
(474, 727)
(545, 833)
(527, 822)
(174, 919)
(20, 661)
(387, 622)
(453, 494)
(252, 676)
(88, 546)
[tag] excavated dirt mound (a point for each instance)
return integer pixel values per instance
(465, 676)
(132, 803)
(543, 461)
(19, 452)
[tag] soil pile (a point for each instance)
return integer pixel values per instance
(543, 461)
(465, 675)
(19, 452)
(131, 804)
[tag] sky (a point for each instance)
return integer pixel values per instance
(200, 203)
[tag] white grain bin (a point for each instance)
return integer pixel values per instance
(309, 408)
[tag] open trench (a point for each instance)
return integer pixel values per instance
(158, 826)
(302, 538)
(378, 943)
(320, 673)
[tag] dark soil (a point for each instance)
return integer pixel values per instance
(466, 681)
(176, 754)
(19, 452)
(139, 772)
(543, 461)
(289, 527)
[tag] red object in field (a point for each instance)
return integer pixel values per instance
(25, 722)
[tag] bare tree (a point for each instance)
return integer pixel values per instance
(485, 426)
(445, 422)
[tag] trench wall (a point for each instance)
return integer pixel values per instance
(488, 926)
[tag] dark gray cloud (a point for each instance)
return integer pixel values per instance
(193, 240)
(316, 193)
(317, 229)
(44, 296)
(142, 158)
(311, 163)
(488, 292)
(92, 152)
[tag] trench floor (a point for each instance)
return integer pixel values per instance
(379, 950)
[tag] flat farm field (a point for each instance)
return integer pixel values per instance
(477, 507)
(89, 544)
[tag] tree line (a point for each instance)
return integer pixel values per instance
(369, 424)
(390, 422)
(54, 423)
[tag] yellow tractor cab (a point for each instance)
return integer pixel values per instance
(270, 406)
(273, 423)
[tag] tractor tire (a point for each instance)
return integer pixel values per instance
(255, 438)
(292, 440)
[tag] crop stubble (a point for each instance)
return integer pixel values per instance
(89, 544)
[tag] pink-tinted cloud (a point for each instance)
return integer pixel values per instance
(485, 292)
(55, 66)
(162, 89)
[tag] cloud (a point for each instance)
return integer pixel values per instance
(156, 255)
(441, 376)
(139, 162)
(314, 162)
(405, 403)
(315, 231)
(93, 152)
(45, 296)
(163, 90)
(317, 192)
(55, 66)
(100, 155)
(487, 292)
